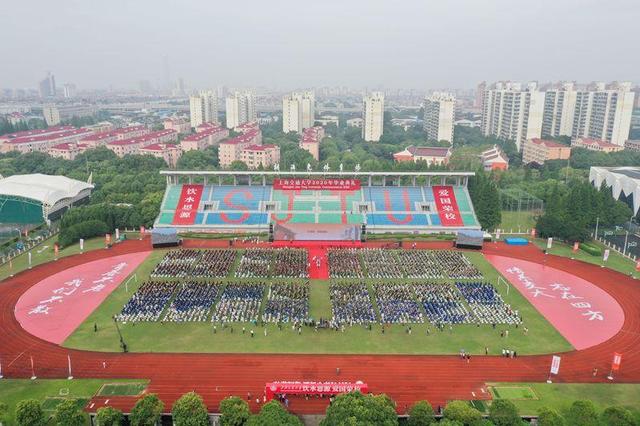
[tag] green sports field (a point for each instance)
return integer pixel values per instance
(424, 339)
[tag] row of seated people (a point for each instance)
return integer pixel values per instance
(193, 302)
(345, 263)
(381, 263)
(148, 302)
(287, 302)
(351, 304)
(255, 263)
(442, 303)
(214, 264)
(397, 304)
(486, 304)
(290, 263)
(239, 303)
(176, 264)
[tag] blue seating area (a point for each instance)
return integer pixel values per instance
(398, 219)
(390, 198)
(239, 198)
(148, 302)
(193, 302)
(236, 219)
(486, 304)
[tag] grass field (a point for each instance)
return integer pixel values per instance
(49, 392)
(561, 396)
(517, 221)
(199, 337)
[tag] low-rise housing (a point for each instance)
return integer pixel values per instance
(432, 155)
(596, 145)
(540, 150)
(169, 152)
(255, 156)
(133, 145)
(632, 145)
(494, 159)
(310, 141)
(178, 124)
(355, 122)
(204, 138)
(231, 150)
(42, 142)
(67, 150)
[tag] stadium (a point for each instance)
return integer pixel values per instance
(329, 301)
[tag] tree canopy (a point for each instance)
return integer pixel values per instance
(234, 410)
(29, 413)
(421, 414)
(69, 414)
(189, 410)
(273, 414)
(356, 408)
(146, 411)
(109, 416)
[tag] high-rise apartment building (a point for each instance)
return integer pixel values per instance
(513, 112)
(439, 116)
(298, 112)
(47, 87)
(559, 109)
(373, 117)
(604, 112)
(203, 108)
(240, 108)
(479, 95)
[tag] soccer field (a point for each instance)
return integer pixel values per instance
(358, 339)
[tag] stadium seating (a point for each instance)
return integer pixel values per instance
(384, 208)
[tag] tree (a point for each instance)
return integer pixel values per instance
(189, 410)
(504, 413)
(449, 422)
(68, 414)
(583, 413)
(549, 417)
(234, 410)
(421, 414)
(486, 200)
(29, 413)
(109, 416)
(273, 414)
(147, 411)
(4, 410)
(618, 416)
(361, 409)
(462, 412)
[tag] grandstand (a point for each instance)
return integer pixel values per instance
(232, 201)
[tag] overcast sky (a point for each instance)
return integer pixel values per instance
(297, 43)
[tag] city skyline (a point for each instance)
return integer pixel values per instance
(288, 45)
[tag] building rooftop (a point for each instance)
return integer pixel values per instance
(425, 151)
(548, 143)
(49, 136)
(143, 138)
(37, 132)
(46, 189)
(243, 138)
(597, 142)
(159, 147)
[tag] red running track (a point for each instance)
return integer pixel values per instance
(406, 378)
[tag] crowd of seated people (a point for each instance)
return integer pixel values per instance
(345, 263)
(291, 263)
(193, 301)
(176, 264)
(255, 263)
(397, 304)
(148, 302)
(214, 264)
(287, 302)
(456, 265)
(442, 303)
(486, 304)
(420, 264)
(351, 304)
(382, 264)
(239, 303)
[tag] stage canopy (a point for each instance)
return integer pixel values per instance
(622, 180)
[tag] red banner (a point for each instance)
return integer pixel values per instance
(617, 359)
(447, 206)
(316, 184)
(188, 205)
(313, 388)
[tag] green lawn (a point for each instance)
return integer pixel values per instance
(561, 396)
(44, 252)
(47, 391)
(122, 389)
(616, 261)
(199, 337)
(517, 221)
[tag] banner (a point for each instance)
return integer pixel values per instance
(56, 249)
(555, 365)
(142, 230)
(617, 359)
(313, 388)
(107, 239)
(117, 234)
(533, 232)
(549, 242)
(576, 247)
(81, 244)
(188, 205)
(29, 255)
(447, 206)
(316, 184)
(497, 234)
(638, 265)
(606, 255)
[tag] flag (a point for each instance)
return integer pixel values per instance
(555, 364)
(81, 244)
(117, 234)
(533, 232)
(606, 255)
(549, 242)
(638, 265)
(29, 255)
(107, 239)
(56, 249)
(576, 246)
(497, 234)
(617, 359)
(142, 230)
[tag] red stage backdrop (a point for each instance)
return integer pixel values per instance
(313, 388)
(316, 184)
(188, 205)
(447, 206)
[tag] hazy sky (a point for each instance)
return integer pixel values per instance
(287, 43)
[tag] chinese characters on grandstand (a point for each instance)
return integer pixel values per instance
(316, 184)
(559, 291)
(447, 206)
(76, 287)
(314, 388)
(188, 205)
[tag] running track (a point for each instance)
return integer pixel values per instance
(406, 378)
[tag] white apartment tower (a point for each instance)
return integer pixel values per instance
(240, 108)
(298, 112)
(513, 112)
(604, 112)
(373, 117)
(439, 115)
(559, 110)
(203, 108)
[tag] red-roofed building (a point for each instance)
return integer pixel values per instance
(104, 138)
(42, 142)
(67, 150)
(180, 125)
(255, 156)
(36, 132)
(169, 152)
(231, 149)
(494, 159)
(432, 155)
(205, 126)
(540, 150)
(310, 141)
(247, 127)
(596, 145)
(132, 145)
(203, 139)
(131, 132)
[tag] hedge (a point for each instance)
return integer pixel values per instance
(591, 249)
(87, 229)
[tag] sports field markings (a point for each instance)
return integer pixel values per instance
(121, 389)
(513, 392)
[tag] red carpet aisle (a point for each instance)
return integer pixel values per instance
(315, 272)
